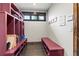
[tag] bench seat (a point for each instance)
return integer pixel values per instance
(52, 48)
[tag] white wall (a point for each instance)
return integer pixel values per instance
(63, 35)
(35, 30)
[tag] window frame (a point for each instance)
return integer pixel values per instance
(37, 14)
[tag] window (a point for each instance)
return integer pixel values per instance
(31, 16)
(41, 17)
(27, 17)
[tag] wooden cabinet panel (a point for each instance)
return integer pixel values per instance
(3, 33)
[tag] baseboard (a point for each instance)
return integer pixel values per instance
(33, 42)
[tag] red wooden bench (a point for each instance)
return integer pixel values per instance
(51, 48)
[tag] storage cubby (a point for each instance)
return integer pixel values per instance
(16, 12)
(17, 27)
(10, 25)
(16, 51)
(12, 9)
(16, 9)
(21, 28)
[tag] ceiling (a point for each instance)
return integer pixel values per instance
(33, 6)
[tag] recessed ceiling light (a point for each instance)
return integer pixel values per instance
(34, 4)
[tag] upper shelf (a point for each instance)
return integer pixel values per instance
(12, 9)
(16, 11)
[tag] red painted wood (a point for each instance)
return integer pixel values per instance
(6, 7)
(0, 6)
(3, 32)
(12, 51)
(11, 8)
(21, 28)
(52, 48)
(17, 27)
(9, 24)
